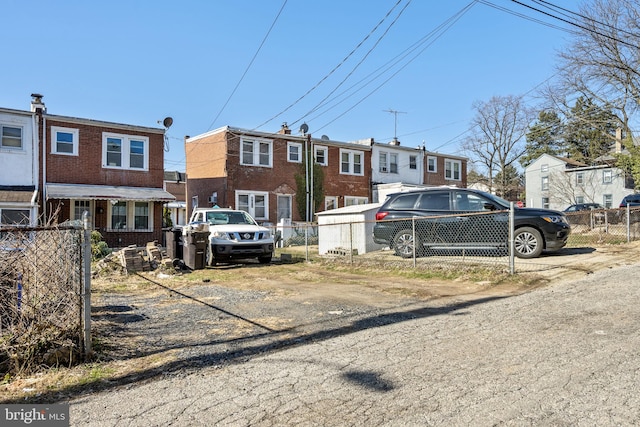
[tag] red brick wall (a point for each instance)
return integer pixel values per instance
(86, 167)
(341, 185)
(438, 178)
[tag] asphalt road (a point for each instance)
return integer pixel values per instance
(565, 355)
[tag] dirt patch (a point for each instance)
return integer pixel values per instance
(157, 323)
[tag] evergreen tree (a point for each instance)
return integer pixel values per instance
(589, 132)
(544, 137)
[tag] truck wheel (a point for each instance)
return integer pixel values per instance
(527, 243)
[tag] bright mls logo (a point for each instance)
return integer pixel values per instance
(53, 415)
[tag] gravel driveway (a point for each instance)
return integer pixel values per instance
(567, 354)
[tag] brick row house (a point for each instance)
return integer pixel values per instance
(114, 171)
(256, 171)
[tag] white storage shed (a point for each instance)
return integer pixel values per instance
(347, 229)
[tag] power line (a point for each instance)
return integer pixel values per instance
(334, 69)
(321, 103)
(578, 25)
(248, 66)
(442, 29)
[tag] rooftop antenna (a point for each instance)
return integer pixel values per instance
(395, 121)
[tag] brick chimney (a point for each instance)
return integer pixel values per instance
(284, 130)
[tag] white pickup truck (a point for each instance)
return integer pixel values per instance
(233, 234)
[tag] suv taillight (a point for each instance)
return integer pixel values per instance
(381, 215)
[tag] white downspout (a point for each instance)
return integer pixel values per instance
(44, 169)
(35, 170)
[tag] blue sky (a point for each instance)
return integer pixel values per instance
(213, 63)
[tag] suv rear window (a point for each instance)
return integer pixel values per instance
(405, 201)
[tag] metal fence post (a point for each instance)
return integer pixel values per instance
(415, 241)
(512, 231)
(628, 216)
(86, 289)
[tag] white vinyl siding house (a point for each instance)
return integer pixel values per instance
(557, 183)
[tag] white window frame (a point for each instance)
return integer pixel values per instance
(11, 147)
(256, 144)
(72, 209)
(350, 163)
(330, 202)
(294, 149)
(355, 200)
(433, 169)
(251, 205)
(450, 170)
(579, 199)
(325, 155)
(26, 220)
(383, 162)
(607, 200)
(607, 176)
(125, 153)
(545, 203)
(579, 179)
(75, 138)
(544, 183)
(544, 168)
(130, 216)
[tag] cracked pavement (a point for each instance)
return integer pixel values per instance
(567, 354)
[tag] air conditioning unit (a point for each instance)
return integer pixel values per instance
(213, 198)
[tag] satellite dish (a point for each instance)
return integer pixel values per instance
(167, 122)
(304, 128)
(324, 138)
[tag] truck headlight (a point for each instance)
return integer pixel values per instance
(221, 235)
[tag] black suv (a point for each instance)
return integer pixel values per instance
(465, 219)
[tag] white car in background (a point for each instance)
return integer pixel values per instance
(233, 234)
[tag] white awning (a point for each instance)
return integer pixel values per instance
(177, 205)
(106, 192)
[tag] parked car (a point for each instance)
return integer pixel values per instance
(465, 219)
(581, 214)
(631, 200)
(233, 234)
(584, 207)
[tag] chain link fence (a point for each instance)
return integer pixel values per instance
(479, 240)
(604, 226)
(41, 313)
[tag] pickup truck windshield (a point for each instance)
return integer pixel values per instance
(218, 218)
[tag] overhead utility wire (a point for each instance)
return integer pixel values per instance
(334, 69)
(578, 25)
(394, 61)
(604, 24)
(382, 36)
(249, 66)
(459, 15)
(523, 16)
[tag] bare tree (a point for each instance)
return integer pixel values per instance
(564, 188)
(603, 61)
(497, 135)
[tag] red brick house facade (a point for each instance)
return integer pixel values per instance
(114, 171)
(256, 171)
